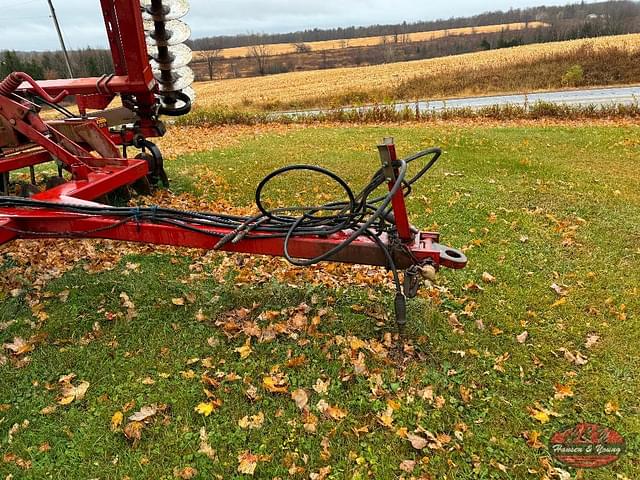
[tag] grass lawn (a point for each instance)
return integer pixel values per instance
(532, 206)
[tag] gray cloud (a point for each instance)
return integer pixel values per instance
(25, 25)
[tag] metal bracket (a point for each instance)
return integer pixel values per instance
(385, 158)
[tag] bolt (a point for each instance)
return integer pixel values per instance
(13, 121)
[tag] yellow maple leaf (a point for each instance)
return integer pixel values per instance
(562, 391)
(275, 384)
(542, 417)
(207, 408)
(116, 421)
(245, 350)
(560, 302)
(611, 408)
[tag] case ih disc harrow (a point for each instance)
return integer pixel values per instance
(152, 78)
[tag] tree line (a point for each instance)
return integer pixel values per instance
(567, 22)
(618, 13)
(87, 62)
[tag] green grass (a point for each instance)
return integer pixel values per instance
(571, 191)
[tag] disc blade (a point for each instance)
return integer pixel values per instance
(178, 79)
(178, 56)
(191, 93)
(170, 10)
(175, 32)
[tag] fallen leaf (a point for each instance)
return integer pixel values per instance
(612, 408)
(205, 448)
(408, 466)
(562, 292)
(208, 408)
(331, 412)
(559, 303)
(301, 398)
(187, 473)
(321, 387)
(542, 417)
(48, 410)
(18, 347)
(455, 324)
(245, 350)
(386, 418)
(133, 431)
(144, 414)
(247, 463)
(322, 474)
(488, 278)
(533, 439)
(562, 392)
(495, 464)
(277, 383)
(71, 393)
(577, 358)
(310, 422)
(522, 338)
(465, 394)
(253, 422)
(592, 341)
(297, 361)
(116, 421)
(417, 442)
(178, 302)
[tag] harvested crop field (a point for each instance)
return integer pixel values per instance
(285, 48)
(380, 82)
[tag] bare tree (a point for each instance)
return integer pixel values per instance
(388, 53)
(212, 57)
(301, 47)
(259, 53)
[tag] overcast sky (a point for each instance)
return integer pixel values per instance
(26, 25)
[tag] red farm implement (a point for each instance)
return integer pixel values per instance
(91, 150)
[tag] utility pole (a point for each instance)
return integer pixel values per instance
(64, 48)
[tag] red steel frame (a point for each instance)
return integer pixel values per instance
(73, 144)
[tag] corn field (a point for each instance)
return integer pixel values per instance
(285, 48)
(304, 88)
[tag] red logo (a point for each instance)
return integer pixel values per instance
(587, 446)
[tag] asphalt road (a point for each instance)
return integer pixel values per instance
(596, 96)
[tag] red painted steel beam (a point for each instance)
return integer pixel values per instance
(6, 235)
(24, 160)
(92, 85)
(398, 202)
(97, 184)
(39, 223)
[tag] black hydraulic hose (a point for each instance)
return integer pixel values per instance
(357, 233)
(358, 213)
